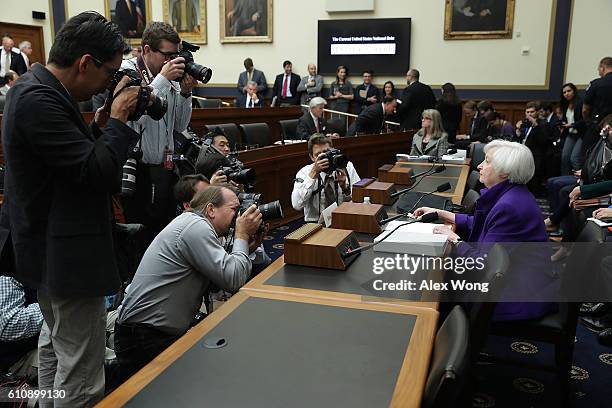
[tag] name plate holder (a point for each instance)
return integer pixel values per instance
(359, 217)
(378, 191)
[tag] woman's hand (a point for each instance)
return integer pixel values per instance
(445, 230)
(602, 213)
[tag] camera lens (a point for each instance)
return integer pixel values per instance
(271, 211)
(128, 182)
(199, 72)
(245, 176)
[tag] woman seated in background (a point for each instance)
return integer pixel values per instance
(572, 129)
(506, 212)
(498, 127)
(431, 140)
(449, 106)
(341, 92)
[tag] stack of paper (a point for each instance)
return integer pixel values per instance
(414, 243)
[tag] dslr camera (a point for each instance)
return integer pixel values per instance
(156, 110)
(336, 159)
(199, 72)
(269, 211)
(235, 171)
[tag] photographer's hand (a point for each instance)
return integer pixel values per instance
(257, 239)
(247, 223)
(341, 178)
(188, 83)
(125, 100)
(321, 164)
(101, 117)
(218, 178)
(173, 69)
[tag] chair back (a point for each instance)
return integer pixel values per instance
(337, 125)
(289, 128)
(209, 103)
(473, 181)
(231, 131)
(469, 201)
(449, 363)
(257, 133)
(477, 155)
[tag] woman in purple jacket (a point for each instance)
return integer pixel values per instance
(506, 212)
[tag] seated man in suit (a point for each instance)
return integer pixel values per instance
(285, 86)
(9, 78)
(372, 119)
(313, 121)
(478, 125)
(251, 99)
(10, 60)
(366, 94)
(252, 74)
(310, 86)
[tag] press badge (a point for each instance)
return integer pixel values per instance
(168, 163)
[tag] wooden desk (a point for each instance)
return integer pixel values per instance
(283, 351)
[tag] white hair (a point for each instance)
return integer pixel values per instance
(513, 159)
(316, 101)
(25, 44)
(251, 83)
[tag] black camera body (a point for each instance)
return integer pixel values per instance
(238, 174)
(155, 111)
(336, 159)
(199, 72)
(269, 211)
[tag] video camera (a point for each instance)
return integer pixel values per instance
(156, 110)
(199, 72)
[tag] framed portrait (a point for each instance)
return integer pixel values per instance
(188, 17)
(244, 21)
(131, 16)
(478, 19)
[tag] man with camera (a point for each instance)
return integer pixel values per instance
(183, 260)
(55, 228)
(161, 68)
(327, 180)
(533, 132)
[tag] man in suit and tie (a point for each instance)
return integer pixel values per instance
(10, 77)
(25, 47)
(416, 97)
(251, 99)
(285, 86)
(310, 86)
(313, 121)
(372, 119)
(10, 60)
(252, 74)
(366, 94)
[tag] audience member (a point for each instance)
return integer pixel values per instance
(310, 86)
(316, 187)
(533, 133)
(25, 47)
(431, 139)
(449, 106)
(285, 86)
(572, 128)
(57, 208)
(251, 99)
(341, 92)
(313, 121)
(252, 74)
(136, 51)
(367, 93)
(416, 97)
(470, 110)
(372, 119)
(498, 128)
(183, 260)
(597, 101)
(389, 89)
(10, 60)
(552, 154)
(153, 203)
(9, 78)
(505, 212)
(188, 186)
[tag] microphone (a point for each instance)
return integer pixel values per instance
(440, 189)
(429, 217)
(436, 170)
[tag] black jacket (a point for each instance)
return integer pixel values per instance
(278, 89)
(360, 102)
(306, 127)
(60, 174)
(241, 102)
(371, 120)
(415, 99)
(451, 117)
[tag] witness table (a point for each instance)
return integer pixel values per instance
(280, 351)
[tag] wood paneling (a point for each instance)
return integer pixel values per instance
(33, 34)
(512, 111)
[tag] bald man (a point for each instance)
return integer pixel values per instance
(310, 86)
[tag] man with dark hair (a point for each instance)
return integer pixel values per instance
(315, 187)
(187, 187)
(56, 215)
(10, 60)
(597, 101)
(252, 74)
(533, 133)
(9, 78)
(285, 86)
(416, 97)
(153, 202)
(372, 119)
(367, 93)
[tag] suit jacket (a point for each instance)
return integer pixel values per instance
(278, 89)
(371, 120)
(451, 117)
(416, 97)
(306, 127)
(126, 20)
(307, 93)
(258, 76)
(17, 64)
(60, 174)
(242, 100)
(362, 103)
(479, 129)
(435, 147)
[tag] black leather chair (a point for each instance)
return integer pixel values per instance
(232, 133)
(337, 125)
(449, 363)
(469, 201)
(477, 155)
(473, 181)
(257, 133)
(289, 128)
(209, 103)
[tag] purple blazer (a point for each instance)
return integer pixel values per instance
(509, 213)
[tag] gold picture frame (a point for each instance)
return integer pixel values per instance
(131, 19)
(245, 21)
(188, 17)
(478, 19)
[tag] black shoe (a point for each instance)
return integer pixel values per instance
(605, 337)
(594, 309)
(597, 323)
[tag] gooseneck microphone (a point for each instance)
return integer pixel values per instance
(429, 217)
(438, 169)
(440, 189)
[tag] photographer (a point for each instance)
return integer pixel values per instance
(160, 68)
(177, 268)
(56, 218)
(316, 187)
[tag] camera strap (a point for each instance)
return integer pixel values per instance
(143, 70)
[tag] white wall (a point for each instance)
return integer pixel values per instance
(590, 39)
(18, 12)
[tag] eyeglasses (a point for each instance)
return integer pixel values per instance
(110, 71)
(167, 54)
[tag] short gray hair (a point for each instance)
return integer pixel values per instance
(25, 44)
(513, 159)
(316, 101)
(251, 83)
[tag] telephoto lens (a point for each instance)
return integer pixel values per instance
(128, 182)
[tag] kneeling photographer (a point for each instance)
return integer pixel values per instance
(329, 179)
(183, 260)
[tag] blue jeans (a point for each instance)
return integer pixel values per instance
(571, 155)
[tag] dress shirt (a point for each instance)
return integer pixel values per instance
(287, 78)
(3, 61)
(17, 321)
